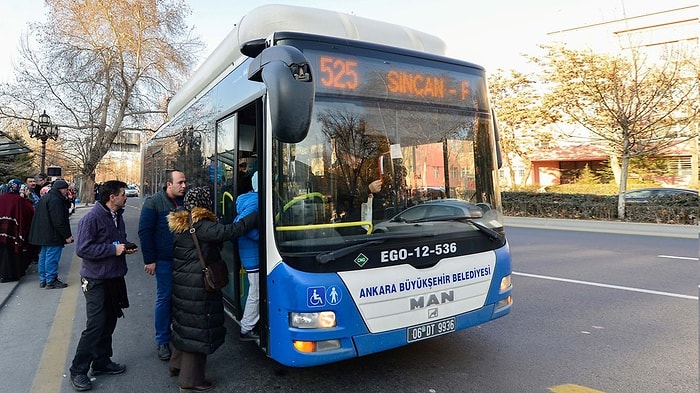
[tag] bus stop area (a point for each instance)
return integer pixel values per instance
(627, 228)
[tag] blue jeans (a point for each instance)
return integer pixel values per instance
(164, 292)
(48, 263)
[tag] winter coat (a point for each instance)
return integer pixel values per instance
(198, 315)
(95, 243)
(16, 215)
(248, 248)
(154, 235)
(50, 225)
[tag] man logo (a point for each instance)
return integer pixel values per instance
(431, 300)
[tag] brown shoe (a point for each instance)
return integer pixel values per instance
(205, 387)
(174, 372)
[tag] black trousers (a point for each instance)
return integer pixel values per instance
(95, 345)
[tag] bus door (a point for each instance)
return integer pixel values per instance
(236, 162)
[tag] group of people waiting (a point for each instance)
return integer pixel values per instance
(189, 320)
(34, 226)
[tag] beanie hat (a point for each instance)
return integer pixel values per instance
(59, 184)
(254, 180)
(198, 197)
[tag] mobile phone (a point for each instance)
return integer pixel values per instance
(131, 246)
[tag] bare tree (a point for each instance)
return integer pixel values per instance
(631, 106)
(521, 117)
(103, 68)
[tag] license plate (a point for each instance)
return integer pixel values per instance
(430, 329)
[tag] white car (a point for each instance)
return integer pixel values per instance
(131, 191)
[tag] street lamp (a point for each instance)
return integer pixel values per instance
(43, 131)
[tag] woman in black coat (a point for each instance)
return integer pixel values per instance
(198, 315)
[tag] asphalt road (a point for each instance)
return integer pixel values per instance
(593, 312)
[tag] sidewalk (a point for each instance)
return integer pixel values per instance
(618, 227)
(625, 228)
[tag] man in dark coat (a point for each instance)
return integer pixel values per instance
(50, 229)
(103, 246)
(157, 250)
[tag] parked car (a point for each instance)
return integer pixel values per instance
(644, 195)
(438, 209)
(131, 191)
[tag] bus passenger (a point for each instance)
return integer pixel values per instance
(248, 251)
(198, 315)
(157, 249)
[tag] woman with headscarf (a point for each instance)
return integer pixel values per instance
(16, 214)
(198, 316)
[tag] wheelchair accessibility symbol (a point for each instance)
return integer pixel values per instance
(315, 296)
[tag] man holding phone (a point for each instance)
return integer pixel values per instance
(103, 247)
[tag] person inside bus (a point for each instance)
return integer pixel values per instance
(389, 193)
(244, 181)
(248, 251)
(198, 315)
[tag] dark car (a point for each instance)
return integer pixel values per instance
(644, 195)
(432, 210)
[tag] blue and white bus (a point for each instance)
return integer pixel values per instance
(377, 161)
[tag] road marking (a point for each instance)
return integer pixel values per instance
(675, 257)
(596, 284)
(49, 374)
(571, 388)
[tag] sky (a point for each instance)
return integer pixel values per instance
(491, 33)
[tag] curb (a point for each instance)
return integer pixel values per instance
(617, 227)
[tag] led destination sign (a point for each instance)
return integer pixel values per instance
(392, 80)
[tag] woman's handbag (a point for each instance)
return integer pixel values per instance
(216, 273)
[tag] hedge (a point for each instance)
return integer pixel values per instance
(664, 210)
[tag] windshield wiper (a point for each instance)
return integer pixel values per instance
(376, 239)
(494, 235)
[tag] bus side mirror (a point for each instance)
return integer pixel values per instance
(290, 90)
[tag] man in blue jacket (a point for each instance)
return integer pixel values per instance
(103, 246)
(248, 250)
(157, 250)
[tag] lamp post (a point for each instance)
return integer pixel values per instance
(43, 131)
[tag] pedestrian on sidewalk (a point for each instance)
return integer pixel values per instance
(157, 250)
(102, 244)
(16, 214)
(50, 229)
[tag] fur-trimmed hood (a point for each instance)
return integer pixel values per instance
(178, 221)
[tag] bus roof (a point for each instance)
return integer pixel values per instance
(262, 21)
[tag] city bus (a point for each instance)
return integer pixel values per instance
(377, 159)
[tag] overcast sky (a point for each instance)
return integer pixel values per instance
(492, 33)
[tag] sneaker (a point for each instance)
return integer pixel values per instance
(42, 284)
(163, 351)
(80, 382)
(110, 369)
(250, 336)
(56, 284)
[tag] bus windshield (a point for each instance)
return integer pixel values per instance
(371, 167)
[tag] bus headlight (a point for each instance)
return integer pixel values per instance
(505, 284)
(312, 320)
